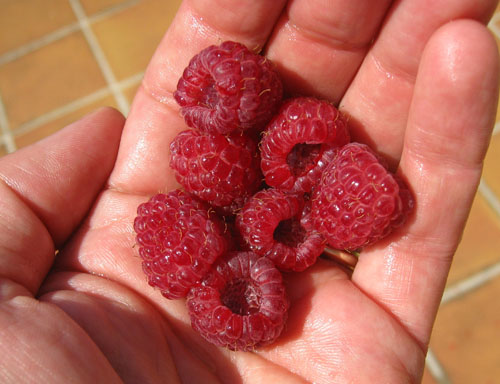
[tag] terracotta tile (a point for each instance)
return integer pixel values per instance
(465, 336)
(94, 6)
(22, 21)
(55, 125)
(480, 242)
(129, 38)
(491, 172)
(48, 78)
(3, 150)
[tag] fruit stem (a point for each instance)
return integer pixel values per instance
(345, 258)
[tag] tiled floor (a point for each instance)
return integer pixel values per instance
(87, 53)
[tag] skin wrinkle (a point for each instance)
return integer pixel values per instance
(348, 25)
(251, 29)
(395, 73)
(398, 273)
(324, 40)
(165, 98)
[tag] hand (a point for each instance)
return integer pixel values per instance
(424, 94)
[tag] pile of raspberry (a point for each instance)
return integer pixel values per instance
(267, 184)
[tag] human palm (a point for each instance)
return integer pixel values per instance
(419, 90)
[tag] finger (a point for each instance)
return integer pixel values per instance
(379, 98)
(318, 46)
(154, 119)
(39, 343)
(124, 326)
(449, 126)
(48, 188)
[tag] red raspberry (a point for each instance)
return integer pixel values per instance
(227, 88)
(179, 238)
(222, 170)
(358, 201)
(270, 224)
(241, 303)
(299, 142)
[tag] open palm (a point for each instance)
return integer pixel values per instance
(417, 88)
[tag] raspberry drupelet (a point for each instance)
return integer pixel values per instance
(270, 222)
(179, 238)
(226, 88)
(220, 169)
(299, 141)
(241, 303)
(358, 201)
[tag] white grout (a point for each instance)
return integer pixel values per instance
(61, 111)
(112, 10)
(493, 26)
(100, 57)
(75, 105)
(39, 43)
(61, 33)
(8, 138)
(131, 81)
(496, 129)
(490, 197)
(470, 283)
(435, 368)
(480, 278)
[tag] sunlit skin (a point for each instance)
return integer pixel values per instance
(418, 87)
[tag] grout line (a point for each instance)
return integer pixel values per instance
(112, 10)
(61, 33)
(435, 368)
(39, 43)
(75, 105)
(470, 283)
(61, 111)
(490, 196)
(480, 278)
(130, 81)
(492, 25)
(99, 55)
(8, 137)
(496, 129)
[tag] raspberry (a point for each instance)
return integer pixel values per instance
(299, 142)
(227, 88)
(358, 201)
(222, 170)
(241, 303)
(270, 224)
(179, 238)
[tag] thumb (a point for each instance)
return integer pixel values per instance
(47, 188)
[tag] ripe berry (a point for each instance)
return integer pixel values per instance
(222, 170)
(270, 224)
(358, 201)
(227, 88)
(179, 238)
(299, 142)
(241, 303)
